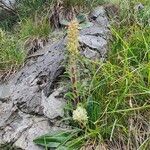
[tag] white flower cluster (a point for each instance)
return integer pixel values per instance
(80, 115)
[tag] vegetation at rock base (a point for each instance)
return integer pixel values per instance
(11, 52)
(112, 100)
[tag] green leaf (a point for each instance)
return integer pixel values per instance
(62, 148)
(57, 140)
(81, 18)
(52, 144)
(85, 25)
(49, 139)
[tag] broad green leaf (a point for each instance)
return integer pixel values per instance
(85, 25)
(81, 18)
(57, 140)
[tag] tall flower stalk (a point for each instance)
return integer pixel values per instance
(72, 46)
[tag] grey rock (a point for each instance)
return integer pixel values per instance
(9, 3)
(96, 37)
(4, 91)
(21, 129)
(28, 83)
(15, 125)
(99, 14)
(96, 30)
(103, 21)
(53, 105)
(6, 109)
(94, 42)
(94, 55)
(38, 127)
(32, 102)
(22, 116)
(138, 7)
(98, 11)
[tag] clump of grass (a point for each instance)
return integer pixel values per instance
(81, 3)
(34, 28)
(25, 32)
(11, 52)
(22, 9)
(8, 20)
(27, 7)
(34, 34)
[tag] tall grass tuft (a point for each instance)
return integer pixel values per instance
(11, 52)
(34, 28)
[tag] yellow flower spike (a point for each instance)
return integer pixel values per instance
(73, 34)
(72, 46)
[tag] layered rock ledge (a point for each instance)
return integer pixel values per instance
(31, 103)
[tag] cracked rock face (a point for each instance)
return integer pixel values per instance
(27, 85)
(31, 103)
(95, 37)
(53, 105)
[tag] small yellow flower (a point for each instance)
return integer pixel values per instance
(80, 115)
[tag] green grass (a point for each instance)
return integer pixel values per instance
(17, 30)
(11, 52)
(13, 44)
(27, 8)
(30, 29)
(119, 89)
(82, 3)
